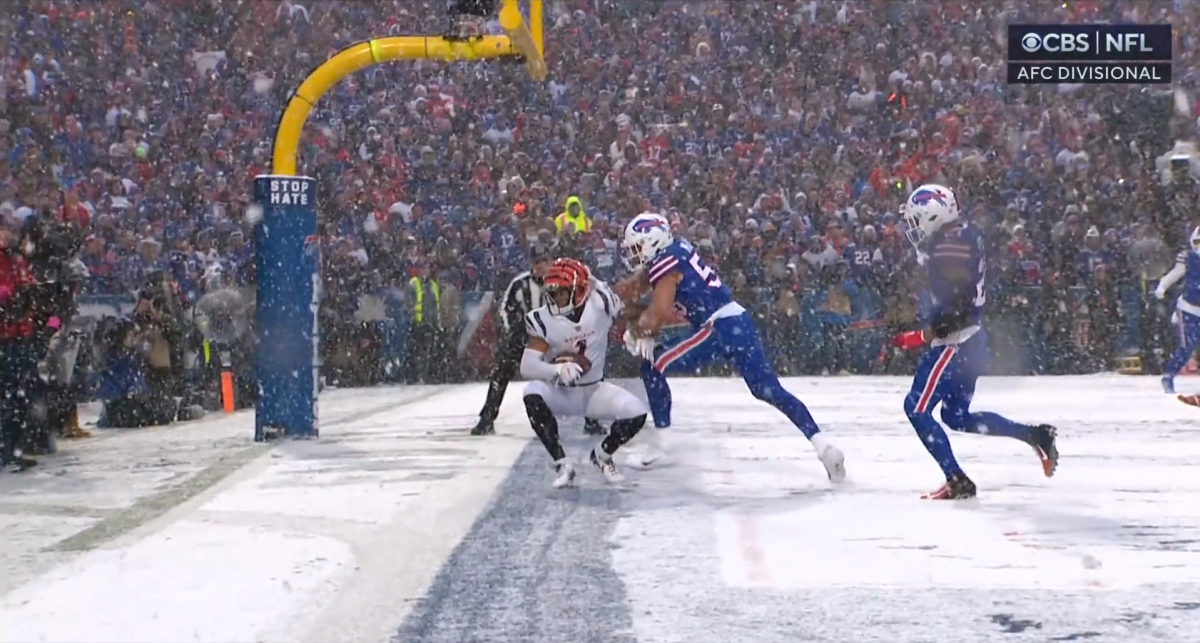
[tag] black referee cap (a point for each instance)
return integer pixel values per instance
(539, 252)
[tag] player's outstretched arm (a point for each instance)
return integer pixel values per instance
(633, 311)
(662, 305)
(631, 289)
(1170, 278)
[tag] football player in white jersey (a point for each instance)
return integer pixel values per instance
(568, 341)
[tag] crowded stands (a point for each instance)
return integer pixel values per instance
(780, 137)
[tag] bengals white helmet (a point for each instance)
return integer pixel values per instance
(646, 237)
(928, 209)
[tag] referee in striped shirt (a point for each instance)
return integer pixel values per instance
(524, 294)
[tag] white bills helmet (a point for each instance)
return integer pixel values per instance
(647, 236)
(928, 209)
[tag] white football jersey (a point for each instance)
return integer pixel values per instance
(589, 336)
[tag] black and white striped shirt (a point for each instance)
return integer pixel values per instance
(523, 295)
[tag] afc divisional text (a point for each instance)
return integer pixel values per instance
(1089, 54)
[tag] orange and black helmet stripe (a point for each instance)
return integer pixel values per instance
(566, 273)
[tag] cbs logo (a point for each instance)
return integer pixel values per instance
(1055, 42)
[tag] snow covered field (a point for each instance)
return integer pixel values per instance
(398, 526)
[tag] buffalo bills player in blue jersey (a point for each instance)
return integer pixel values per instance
(953, 250)
(679, 279)
(1187, 309)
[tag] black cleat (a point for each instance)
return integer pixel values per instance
(593, 427)
(1044, 440)
(957, 487)
(485, 427)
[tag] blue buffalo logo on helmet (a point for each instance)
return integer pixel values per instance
(925, 195)
(646, 224)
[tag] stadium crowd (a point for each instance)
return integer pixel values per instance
(780, 137)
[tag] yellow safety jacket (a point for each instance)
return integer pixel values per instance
(581, 221)
(419, 307)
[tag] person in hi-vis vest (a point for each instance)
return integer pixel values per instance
(426, 345)
(573, 214)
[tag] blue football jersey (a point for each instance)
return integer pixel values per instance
(1089, 260)
(1191, 277)
(861, 259)
(954, 250)
(701, 292)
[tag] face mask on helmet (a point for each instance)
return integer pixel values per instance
(645, 237)
(635, 253)
(919, 227)
(928, 209)
(561, 301)
(566, 286)
(912, 229)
